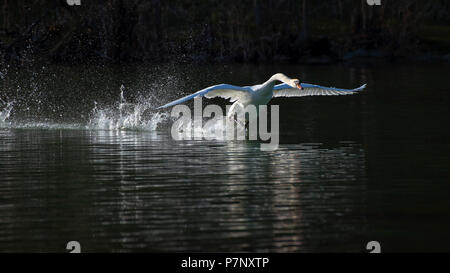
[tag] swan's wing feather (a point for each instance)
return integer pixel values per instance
(226, 91)
(285, 90)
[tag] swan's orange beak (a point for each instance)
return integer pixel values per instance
(299, 86)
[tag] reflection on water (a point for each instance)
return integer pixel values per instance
(77, 163)
(130, 191)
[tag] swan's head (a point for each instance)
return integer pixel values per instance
(295, 83)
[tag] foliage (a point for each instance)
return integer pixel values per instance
(200, 30)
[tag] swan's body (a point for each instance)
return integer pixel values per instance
(261, 94)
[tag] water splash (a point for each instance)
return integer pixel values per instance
(122, 115)
(217, 129)
(126, 116)
(5, 113)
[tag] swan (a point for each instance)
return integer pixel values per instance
(261, 94)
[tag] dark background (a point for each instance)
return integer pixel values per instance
(350, 169)
(294, 31)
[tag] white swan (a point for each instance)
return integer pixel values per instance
(261, 94)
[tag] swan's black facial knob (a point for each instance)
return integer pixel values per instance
(299, 86)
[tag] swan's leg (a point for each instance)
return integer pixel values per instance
(231, 111)
(239, 122)
(237, 108)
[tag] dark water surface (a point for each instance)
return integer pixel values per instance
(78, 163)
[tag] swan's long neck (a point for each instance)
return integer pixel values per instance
(277, 77)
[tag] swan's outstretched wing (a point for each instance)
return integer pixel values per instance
(226, 91)
(285, 90)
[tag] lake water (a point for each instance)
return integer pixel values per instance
(79, 161)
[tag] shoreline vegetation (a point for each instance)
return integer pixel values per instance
(253, 31)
